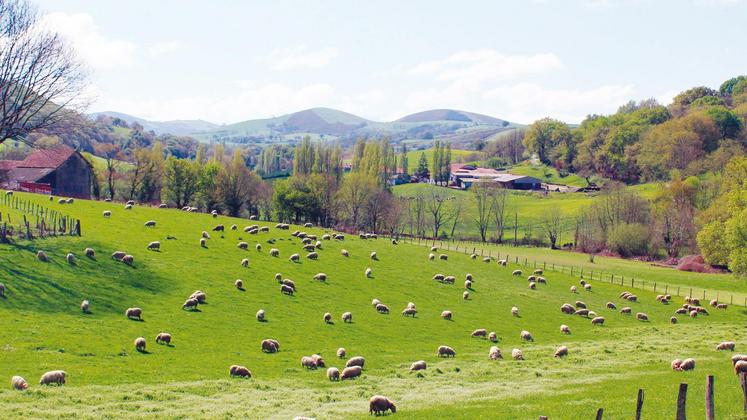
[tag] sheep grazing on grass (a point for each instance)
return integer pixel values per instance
(2, 290)
(626, 310)
(434, 249)
(312, 255)
(327, 318)
(382, 309)
(205, 235)
(526, 335)
(234, 227)
(375, 302)
(150, 223)
(495, 353)
(294, 258)
(503, 262)
(356, 361)
(726, 345)
(721, 306)
(219, 228)
(128, 259)
(446, 315)
(308, 248)
(632, 298)
(468, 277)
(541, 280)
(582, 312)
(320, 277)
(438, 277)
(341, 352)
(139, 344)
(740, 367)
(538, 272)
(245, 262)
(90, 253)
(275, 252)
(445, 351)
(532, 278)
(468, 284)
(516, 273)
(599, 320)
(239, 284)
(611, 305)
(409, 312)
(737, 358)
(70, 201)
(493, 337)
(344, 253)
(270, 346)
(516, 354)
(379, 404)
(61, 201)
(693, 313)
(107, 213)
(449, 279)
(567, 308)
(70, 258)
(443, 257)
(368, 272)
(681, 311)
(580, 304)
(587, 287)
(260, 315)
(515, 311)
(240, 371)
(687, 364)
(154, 246)
(673, 320)
(84, 306)
(199, 295)
(318, 360)
(486, 259)
(308, 362)
(163, 338)
(42, 256)
(347, 317)
(134, 313)
(573, 289)
(242, 245)
(419, 365)
(258, 247)
(533, 285)
(431, 256)
(374, 256)
(128, 207)
(326, 237)
(54, 377)
(285, 289)
(592, 314)
(203, 243)
(333, 374)
(561, 351)
(641, 316)
(290, 283)
(351, 372)
(18, 383)
(465, 295)
(481, 332)
(190, 304)
(564, 329)
(130, 202)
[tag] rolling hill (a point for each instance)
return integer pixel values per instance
(175, 127)
(44, 329)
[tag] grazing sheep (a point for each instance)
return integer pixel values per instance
(150, 223)
(449, 279)
(676, 363)
(693, 313)
(538, 271)
(344, 253)
(347, 317)
(726, 345)
(632, 298)
(740, 367)
(382, 309)
(258, 247)
(128, 259)
(245, 262)
(42, 256)
(130, 202)
(351, 372)
(532, 278)
(379, 404)
(18, 383)
(467, 284)
(465, 295)
(154, 246)
(503, 262)
(134, 313)
(190, 304)
(587, 287)
(53, 377)
(274, 252)
(443, 257)
(327, 317)
(482, 332)
(515, 311)
(107, 213)
(599, 320)
(573, 289)
(438, 277)
(270, 346)
(356, 361)
(140, 344)
(419, 365)
(205, 235)
(582, 282)
(626, 310)
(687, 364)
(308, 248)
(493, 337)
(199, 295)
(240, 371)
(673, 320)
(219, 228)
(163, 338)
(368, 272)
(203, 242)
(486, 259)
(446, 315)
(326, 237)
(341, 352)
(561, 351)
(567, 308)
(516, 273)
(70, 258)
(374, 256)
(409, 312)
(242, 245)
(90, 253)
(308, 362)
(526, 335)
(294, 258)
(564, 329)
(737, 358)
(611, 305)
(320, 277)
(333, 374)
(582, 312)
(128, 206)
(445, 351)
(495, 353)
(533, 285)
(641, 316)
(84, 306)
(285, 289)
(61, 201)
(468, 277)
(239, 284)
(541, 280)
(260, 315)
(290, 283)
(312, 255)
(592, 314)
(517, 354)
(580, 304)
(434, 248)
(431, 256)
(375, 302)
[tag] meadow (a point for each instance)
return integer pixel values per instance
(44, 329)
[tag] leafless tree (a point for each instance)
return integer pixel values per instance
(484, 203)
(41, 81)
(499, 204)
(439, 210)
(457, 204)
(552, 225)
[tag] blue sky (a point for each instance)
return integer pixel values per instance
(228, 61)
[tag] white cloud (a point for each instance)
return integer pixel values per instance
(90, 45)
(300, 57)
(162, 48)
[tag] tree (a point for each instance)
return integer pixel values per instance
(353, 195)
(141, 163)
(726, 120)
(111, 154)
(437, 162)
(403, 160)
(552, 225)
(41, 81)
(437, 205)
(499, 205)
(180, 181)
(422, 170)
(235, 184)
(484, 203)
(544, 135)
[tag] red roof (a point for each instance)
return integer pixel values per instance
(47, 158)
(6, 165)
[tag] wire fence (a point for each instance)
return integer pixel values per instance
(35, 221)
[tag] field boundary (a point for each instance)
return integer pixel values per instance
(42, 221)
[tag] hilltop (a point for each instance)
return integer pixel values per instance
(175, 127)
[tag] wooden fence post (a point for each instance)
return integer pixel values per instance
(599, 414)
(709, 398)
(639, 405)
(681, 401)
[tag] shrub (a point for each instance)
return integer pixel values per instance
(629, 239)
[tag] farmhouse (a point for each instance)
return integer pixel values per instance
(59, 170)
(463, 176)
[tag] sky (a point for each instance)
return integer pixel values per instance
(227, 61)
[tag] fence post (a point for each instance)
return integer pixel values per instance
(654, 286)
(571, 270)
(709, 398)
(666, 286)
(681, 401)
(639, 405)
(599, 414)
(743, 382)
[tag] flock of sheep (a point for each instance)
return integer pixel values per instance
(312, 245)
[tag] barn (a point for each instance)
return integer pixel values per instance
(59, 170)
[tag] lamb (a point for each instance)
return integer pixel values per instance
(308, 362)
(465, 295)
(356, 361)
(611, 305)
(285, 289)
(240, 371)
(673, 320)
(641, 316)
(564, 329)
(275, 252)
(128, 259)
(368, 272)
(239, 284)
(515, 311)
(107, 213)
(190, 304)
(347, 317)
(344, 253)
(479, 333)
(270, 346)
(245, 262)
(443, 257)
(163, 338)
(351, 372)
(154, 246)
(382, 309)
(140, 344)
(726, 345)
(320, 277)
(294, 258)
(327, 318)
(561, 351)
(740, 367)
(90, 253)
(493, 337)
(84, 306)
(374, 256)
(409, 312)
(53, 377)
(495, 353)
(242, 245)
(599, 320)
(42, 256)
(333, 374)
(626, 310)
(150, 223)
(18, 383)
(290, 283)
(517, 354)
(419, 365)
(431, 256)
(445, 351)
(573, 289)
(446, 315)
(379, 404)
(526, 335)
(516, 273)
(134, 313)
(260, 315)
(312, 255)
(341, 352)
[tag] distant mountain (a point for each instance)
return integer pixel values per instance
(451, 115)
(175, 127)
(321, 121)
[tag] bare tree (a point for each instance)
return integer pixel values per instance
(484, 203)
(499, 205)
(41, 81)
(111, 154)
(552, 225)
(457, 204)
(439, 210)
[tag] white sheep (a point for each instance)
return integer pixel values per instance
(154, 246)
(53, 377)
(368, 272)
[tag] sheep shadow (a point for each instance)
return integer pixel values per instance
(142, 351)
(136, 319)
(87, 312)
(329, 322)
(241, 289)
(263, 320)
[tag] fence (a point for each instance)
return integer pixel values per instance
(35, 221)
(582, 272)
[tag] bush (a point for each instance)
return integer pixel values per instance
(629, 239)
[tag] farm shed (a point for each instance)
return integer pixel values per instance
(64, 170)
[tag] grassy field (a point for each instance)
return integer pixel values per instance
(44, 329)
(547, 174)
(457, 156)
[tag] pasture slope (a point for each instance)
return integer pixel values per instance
(44, 329)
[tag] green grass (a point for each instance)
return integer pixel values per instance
(457, 156)
(44, 329)
(547, 174)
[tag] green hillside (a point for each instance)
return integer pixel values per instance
(44, 329)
